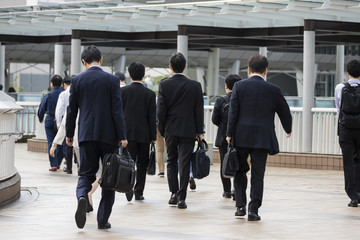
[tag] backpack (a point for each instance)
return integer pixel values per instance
(225, 110)
(350, 107)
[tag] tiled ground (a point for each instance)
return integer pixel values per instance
(298, 204)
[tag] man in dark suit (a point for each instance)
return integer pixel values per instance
(48, 106)
(219, 118)
(253, 105)
(96, 94)
(139, 104)
(181, 120)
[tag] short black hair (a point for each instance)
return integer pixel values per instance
(231, 79)
(11, 90)
(91, 54)
(178, 62)
(56, 80)
(121, 76)
(353, 68)
(258, 64)
(66, 80)
(136, 71)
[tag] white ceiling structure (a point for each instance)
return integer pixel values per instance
(119, 16)
(59, 19)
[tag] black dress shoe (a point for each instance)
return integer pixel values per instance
(192, 183)
(233, 194)
(89, 208)
(129, 195)
(227, 194)
(181, 204)
(80, 215)
(67, 170)
(104, 226)
(138, 197)
(240, 211)
(173, 199)
(353, 203)
(253, 217)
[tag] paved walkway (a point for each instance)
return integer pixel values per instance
(298, 204)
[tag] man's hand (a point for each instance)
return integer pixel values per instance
(153, 141)
(124, 143)
(52, 150)
(69, 141)
(288, 135)
(200, 137)
(228, 139)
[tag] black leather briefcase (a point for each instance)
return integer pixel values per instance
(118, 172)
(230, 163)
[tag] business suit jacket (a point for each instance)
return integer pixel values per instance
(96, 94)
(219, 120)
(139, 106)
(180, 107)
(253, 105)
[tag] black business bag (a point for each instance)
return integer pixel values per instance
(118, 172)
(151, 169)
(230, 163)
(200, 162)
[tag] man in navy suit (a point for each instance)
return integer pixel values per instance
(253, 105)
(180, 110)
(140, 118)
(48, 106)
(96, 94)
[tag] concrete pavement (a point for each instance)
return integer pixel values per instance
(298, 204)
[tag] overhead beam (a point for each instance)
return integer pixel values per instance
(33, 39)
(244, 32)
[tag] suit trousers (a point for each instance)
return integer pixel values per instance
(226, 182)
(179, 150)
(50, 135)
(68, 152)
(160, 151)
(90, 154)
(139, 152)
(349, 140)
(258, 162)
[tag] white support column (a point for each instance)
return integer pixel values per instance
(2, 66)
(82, 67)
(308, 86)
(210, 76)
(235, 69)
(340, 56)
(75, 53)
(182, 43)
(120, 64)
(216, 70)
(59, 60)
(200, 72)
(263, 51)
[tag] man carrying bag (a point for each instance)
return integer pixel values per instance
(96, 94)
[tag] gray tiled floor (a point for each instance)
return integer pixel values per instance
(298, 204)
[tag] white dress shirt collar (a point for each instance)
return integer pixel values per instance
(253, 75)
